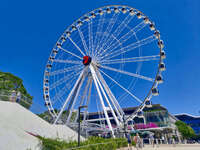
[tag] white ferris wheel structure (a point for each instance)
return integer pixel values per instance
(109, 59)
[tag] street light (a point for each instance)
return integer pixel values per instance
(79, 122)
(125, 126)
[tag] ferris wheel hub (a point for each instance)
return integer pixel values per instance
(87, 60)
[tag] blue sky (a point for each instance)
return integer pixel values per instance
(29, 29)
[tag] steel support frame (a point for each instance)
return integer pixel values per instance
(75, 99)
(114, 102)
(101, 98)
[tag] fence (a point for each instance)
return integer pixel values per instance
(14, 96)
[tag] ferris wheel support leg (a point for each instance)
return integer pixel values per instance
(68, 98)
(88, 100)
(112, 111)
(75, 99)
(101, 99)
(82, 98)
(116, 105)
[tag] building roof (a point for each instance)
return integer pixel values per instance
(185, 116)
(156, 107)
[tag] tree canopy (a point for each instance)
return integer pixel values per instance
(9, 83)
(185, 130)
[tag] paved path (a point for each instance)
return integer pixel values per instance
(169, 147)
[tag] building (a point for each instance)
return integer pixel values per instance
(192, 121)
(156, 119)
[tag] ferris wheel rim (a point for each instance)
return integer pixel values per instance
(50, 107)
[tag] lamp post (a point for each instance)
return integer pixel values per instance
(79, 122)
(124, 120)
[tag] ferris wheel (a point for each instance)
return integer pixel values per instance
(109, 59)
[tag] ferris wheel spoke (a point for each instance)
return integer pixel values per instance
(83, 40)
(70, 53)
(127, 73)
(90, 35)
(129, 47)
(107, 100)
(63, 80)
(136, 98)
(103, 35)
(99, 31)
(115, 103)
(69, 96)
(120, 28)
(126, 36)
(76, 46)
(83, 98)
(88, 99)
(108, 31)
(60, 71)
(74, 99)
(133, 59)
(66, 61)
(61, 92)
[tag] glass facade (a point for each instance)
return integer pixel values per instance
(153, 117)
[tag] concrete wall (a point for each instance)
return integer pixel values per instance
(16, 121)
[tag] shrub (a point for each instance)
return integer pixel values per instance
(92, 143)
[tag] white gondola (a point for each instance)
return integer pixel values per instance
(161, 44)
(101, 12)
(55, 51)
(152, 27)
(132, 12)
(157, 34)
(139, 15)
(162, 54)
(51, 110)
(80, 23)
(51, 59)
(93, 15)
(47, 73)
(46, 89)
(58, 44)
(155, 92)
(124, 10)
(68, 33)
(86, 18)
(47, 103)
(46, 81)
(49, 66)
(47, 96)
(63, 38)
(146, 20)
(116, 10)
(159, 79)
(162, 67)
(108, 10)
(148, 104)
(140, 114)
(74, 28)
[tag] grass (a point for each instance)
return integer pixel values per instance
(92, 143)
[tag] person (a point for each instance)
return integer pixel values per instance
(152, 140)
(129, 141)
(138, 141)
(18, 97)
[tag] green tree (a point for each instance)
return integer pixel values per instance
(185, 130)
(9, 83)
